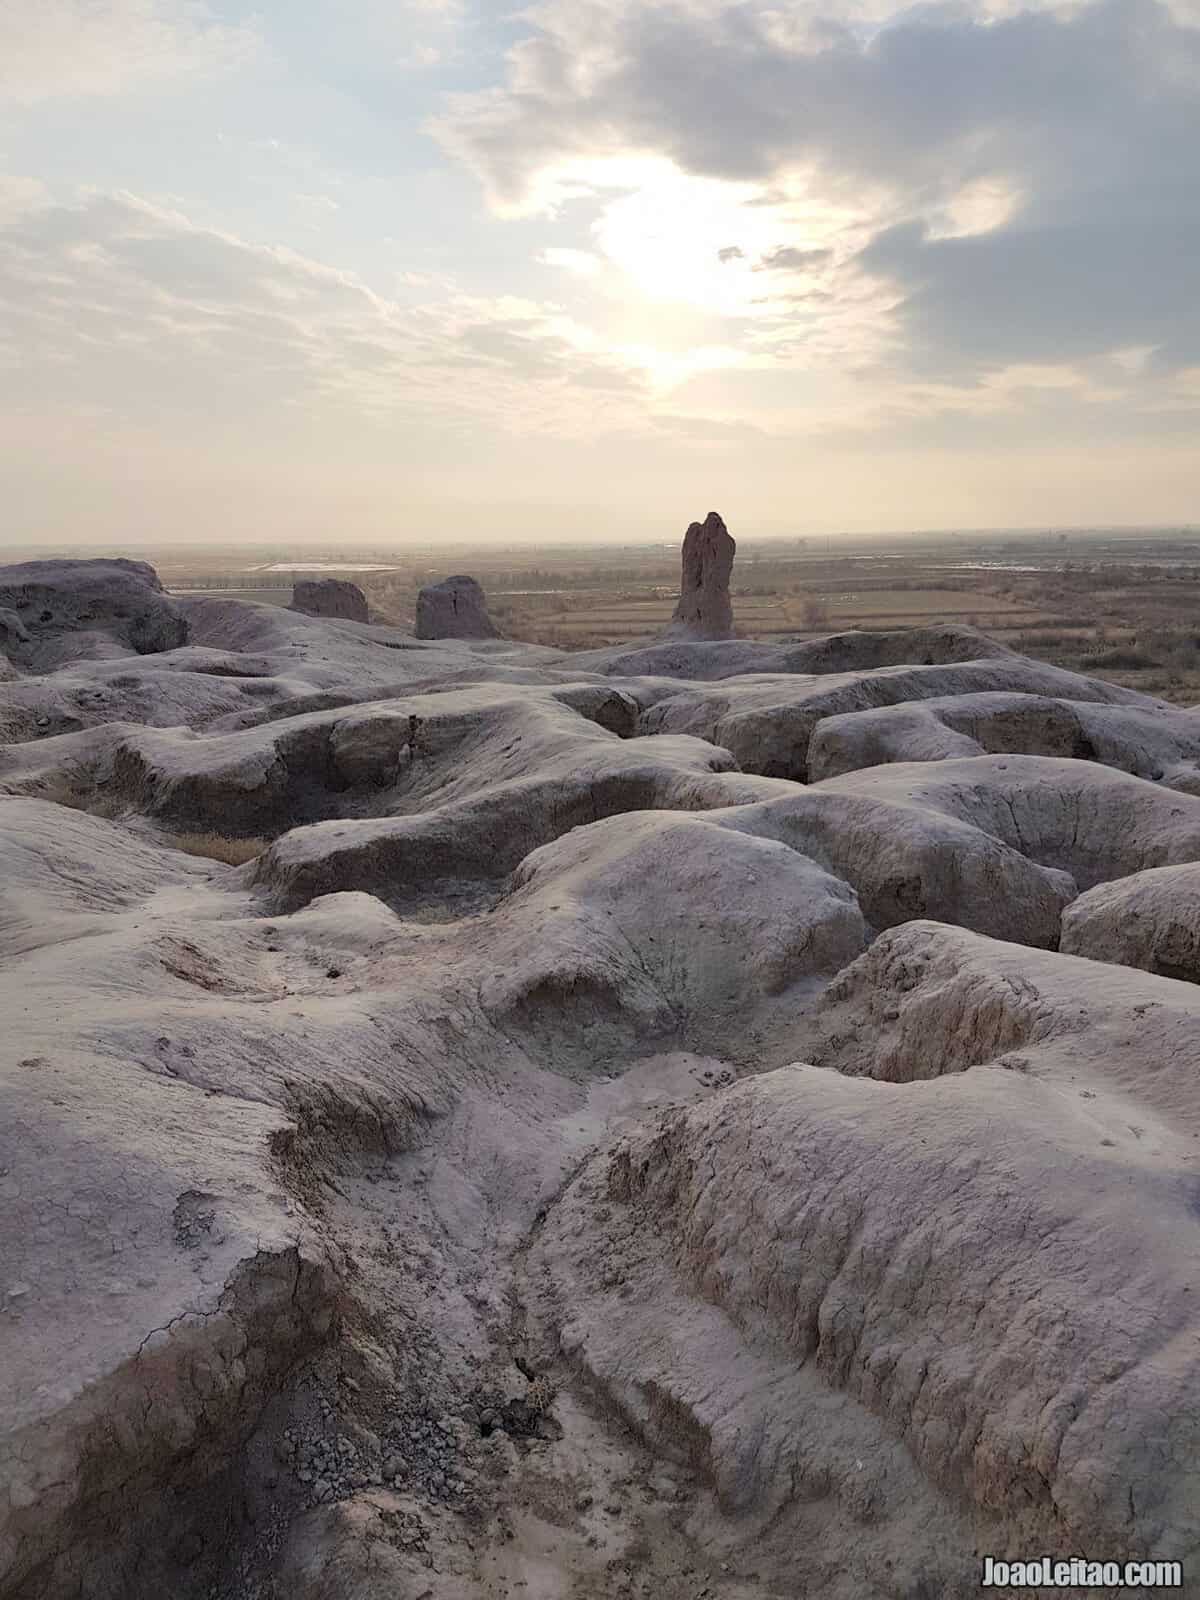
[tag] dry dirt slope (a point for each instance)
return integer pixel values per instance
(629, 1130)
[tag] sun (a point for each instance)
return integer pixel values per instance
(682, 240)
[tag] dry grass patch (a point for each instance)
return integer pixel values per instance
(233, 852)
(216, 846)
(59, 790)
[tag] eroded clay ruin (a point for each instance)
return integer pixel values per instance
(454, 608)
(705, 610)
(330, 597)
(703, 1119)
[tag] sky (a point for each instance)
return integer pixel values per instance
(374, 271)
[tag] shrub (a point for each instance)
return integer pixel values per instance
(1122, 660)
(1046, 640)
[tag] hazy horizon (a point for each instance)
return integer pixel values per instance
(345, 553)
(380, 274)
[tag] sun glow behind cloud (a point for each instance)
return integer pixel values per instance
(687, 250)
(978, 207)
(671, 235)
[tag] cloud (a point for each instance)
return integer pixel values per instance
(1065, 292)
(1017, 184)
(19, 195)
(420, 57)
(581, 263)
(119, 308)
(54, 48)
(707, 431)
(789, 259)
(731, 252)
(938, 95)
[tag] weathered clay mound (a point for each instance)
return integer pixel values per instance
(141, 691)
(567, 1159)
(1155, 741)
(356, 659)
(909, 858)
(735, 924)
(245, 663)
(405, 755)
(835, 652)
(54, 612)
(1150, 919)
(65, 871)
(767, 721)
(959, 1258)
(464, 847)
(1077, 816)
(330, 597)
